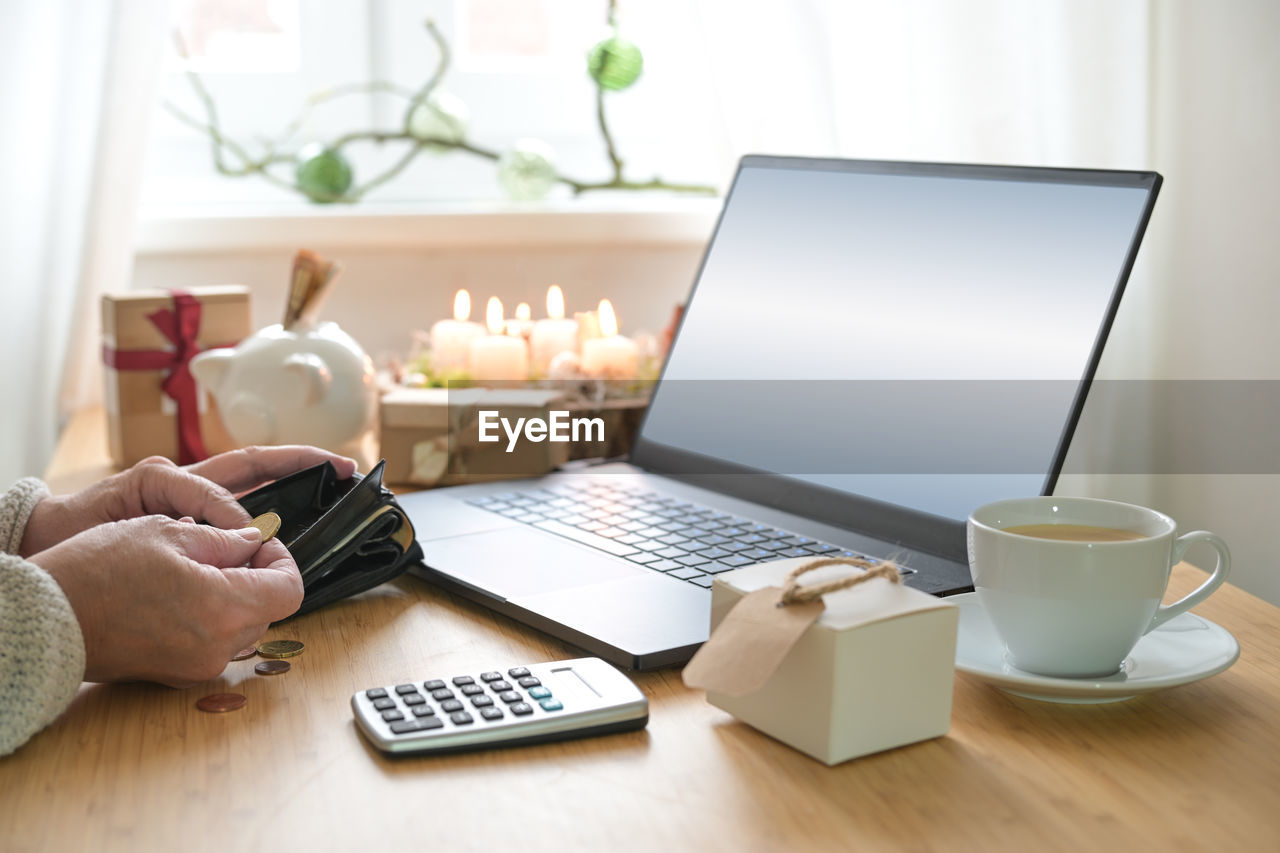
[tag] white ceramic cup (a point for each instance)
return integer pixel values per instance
(1076, 609)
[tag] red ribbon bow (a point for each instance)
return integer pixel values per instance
(180, 326)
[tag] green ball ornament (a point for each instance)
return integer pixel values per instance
(526, 171)
(615, 63)
(441, 116)
(323, 174)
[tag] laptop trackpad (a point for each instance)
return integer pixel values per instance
(519, 561)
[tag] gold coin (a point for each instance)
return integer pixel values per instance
(272, 667)
(268, 524)
(280, 648)
(245, 654)
(221, 703)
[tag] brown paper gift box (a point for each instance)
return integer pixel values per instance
(428, 435)
(141, 418)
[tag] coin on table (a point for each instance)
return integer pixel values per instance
(245, 654)
(272, 667)
(268, 524)
(280, 648)
(221, 703)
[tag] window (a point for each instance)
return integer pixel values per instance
(517, 66)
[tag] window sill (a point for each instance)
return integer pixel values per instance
(612, 221)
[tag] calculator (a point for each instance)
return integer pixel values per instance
(519, 705)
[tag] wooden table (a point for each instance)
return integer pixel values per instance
(137, 767)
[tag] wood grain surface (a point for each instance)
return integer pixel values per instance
(137, 767)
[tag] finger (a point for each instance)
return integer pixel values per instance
(172, 491)
(271, 588)
(238, 470)
(221, 549)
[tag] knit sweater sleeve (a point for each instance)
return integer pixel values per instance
(41, 649)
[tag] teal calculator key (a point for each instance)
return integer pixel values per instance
(539, 693)
(551, 704)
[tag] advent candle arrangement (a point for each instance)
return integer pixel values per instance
(588, 346)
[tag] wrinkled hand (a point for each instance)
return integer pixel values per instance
(154, 486)
(170, 601)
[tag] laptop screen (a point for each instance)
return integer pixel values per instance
(910, 334)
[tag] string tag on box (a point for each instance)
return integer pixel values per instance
(750, 643)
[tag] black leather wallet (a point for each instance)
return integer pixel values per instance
(346, 535)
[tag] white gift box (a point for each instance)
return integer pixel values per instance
(875, 671)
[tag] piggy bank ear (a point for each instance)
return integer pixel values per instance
(311, 374)
(210, 367)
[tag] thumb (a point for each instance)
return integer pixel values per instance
(223, 549)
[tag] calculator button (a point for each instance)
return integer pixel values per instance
(430, 723)
(529, 681)
(405, 727)
(433, 684)
(404, 689)
(490, 676)
(510, 696)
(518, 672)
(384, 704)
(392, 716)
(539, 693)
(461, 718)
(491, 713)
(481, 701)
(499, 686)
(442, 694)
(376, 693)
(551, 705)
(520, 709)
(471, 689)
(414, 699)
(424, 711)
(451, 706)
(460, 680)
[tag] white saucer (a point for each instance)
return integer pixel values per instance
(1186, 648)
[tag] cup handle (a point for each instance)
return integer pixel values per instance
(1180, 546)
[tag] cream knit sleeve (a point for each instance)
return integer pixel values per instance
(41, 648)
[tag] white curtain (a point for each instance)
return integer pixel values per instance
(77, 83)
(1052, 82)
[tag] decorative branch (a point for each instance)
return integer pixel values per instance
(224, 146)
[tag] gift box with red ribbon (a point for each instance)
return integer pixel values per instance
(154, 405)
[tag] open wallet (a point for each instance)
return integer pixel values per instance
(346, 535)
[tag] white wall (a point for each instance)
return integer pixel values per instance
(386, 293)
(1216, 259)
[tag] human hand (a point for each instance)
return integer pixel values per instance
(170, 601)
(203, 490)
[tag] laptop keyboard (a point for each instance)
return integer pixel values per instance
(683, 540)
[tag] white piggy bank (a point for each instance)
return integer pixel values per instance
(305, 385)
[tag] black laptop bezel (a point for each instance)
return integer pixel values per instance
(902, 526)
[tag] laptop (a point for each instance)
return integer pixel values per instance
(870, 351)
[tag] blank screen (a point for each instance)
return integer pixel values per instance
(833, 299)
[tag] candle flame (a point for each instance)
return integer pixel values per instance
(493, 315)
(608, 319)
(555, 302)
(523, 312)
(462, 306)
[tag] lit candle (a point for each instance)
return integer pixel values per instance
(451, 339)
(612, 356)
(554, 335)
(522, 325)
(498, 356)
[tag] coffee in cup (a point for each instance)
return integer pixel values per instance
(1072, 584)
